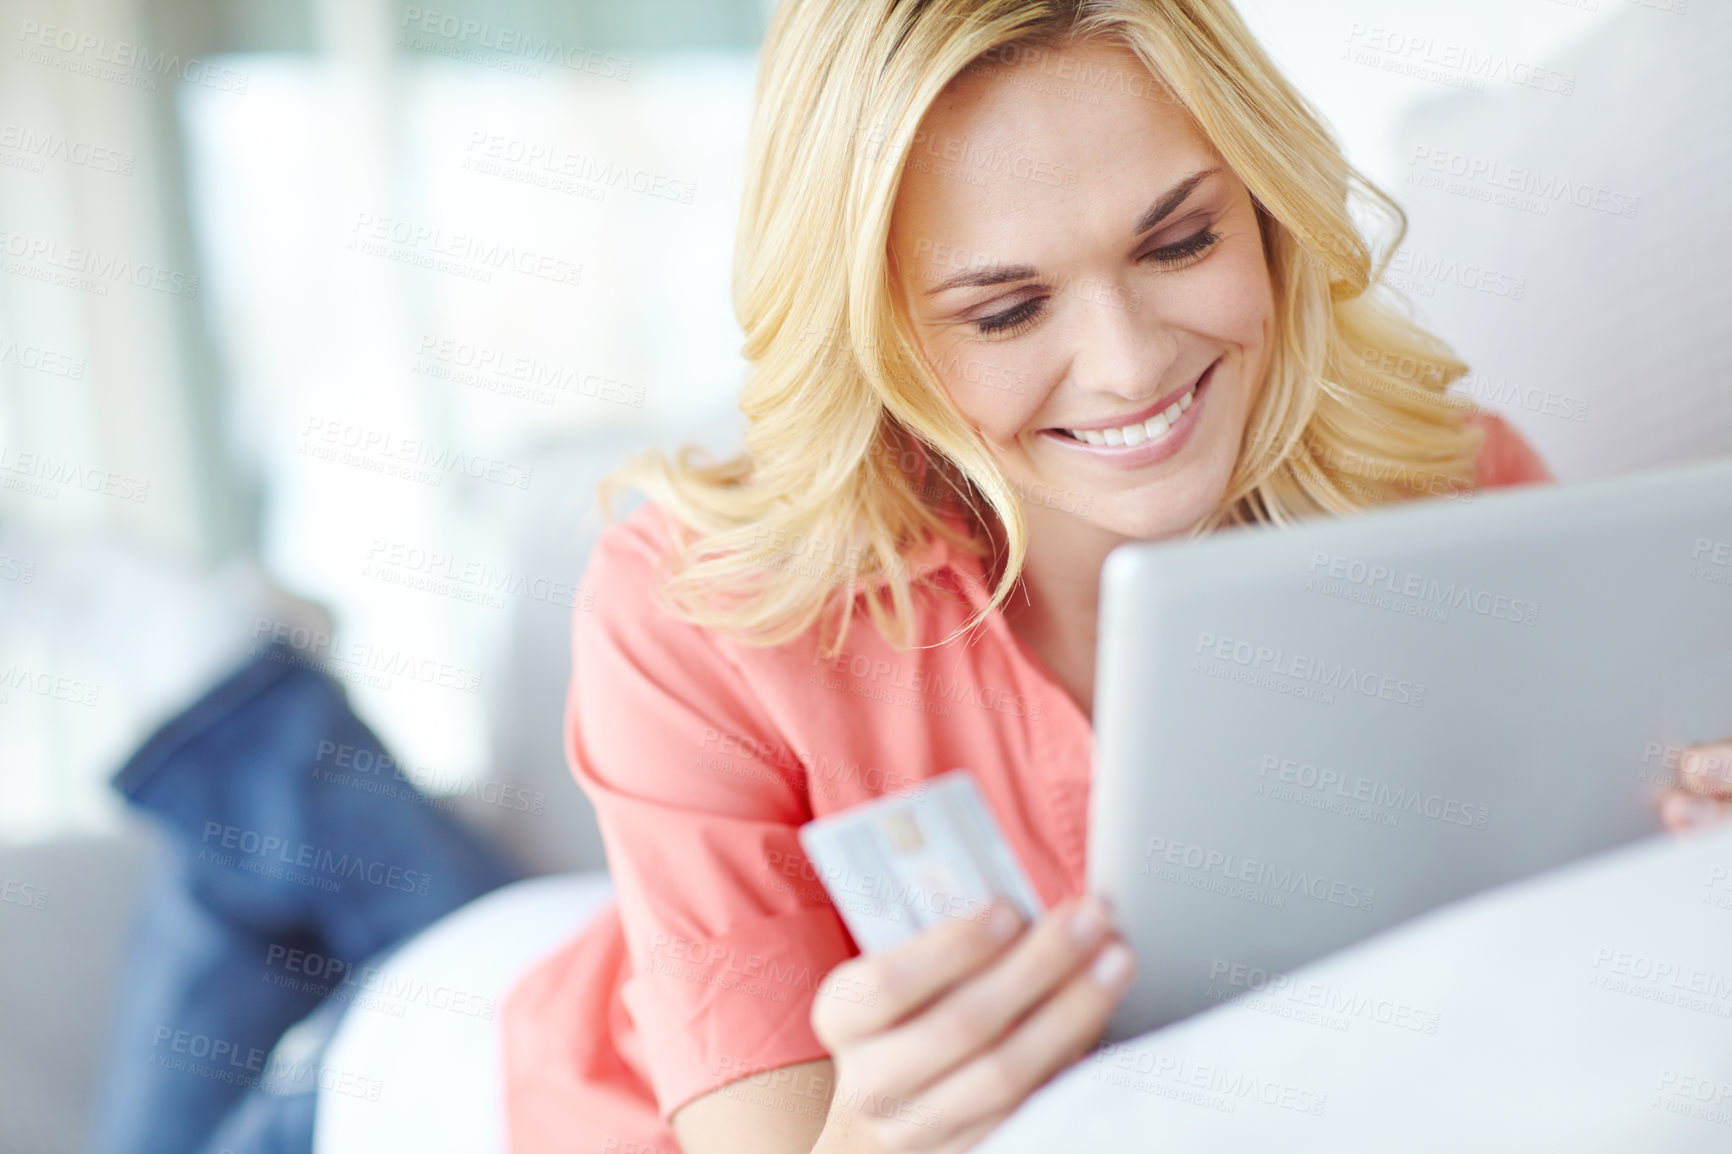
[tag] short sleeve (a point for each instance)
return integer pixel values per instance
(1506, 458)
(727, 931)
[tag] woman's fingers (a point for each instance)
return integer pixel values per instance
(1704, 793)
(908, 976)
(971, 1017)
(1707, 769)
(1057, 1033)
(1682, 810)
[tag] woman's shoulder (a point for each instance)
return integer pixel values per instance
(644, 538)
(634, 556)
(1505, 457)
(622, 583)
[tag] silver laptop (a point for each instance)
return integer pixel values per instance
(1306, 736)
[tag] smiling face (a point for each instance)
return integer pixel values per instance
(1088, 283)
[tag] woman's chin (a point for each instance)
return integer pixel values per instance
(1144, 513)
(1131, 521)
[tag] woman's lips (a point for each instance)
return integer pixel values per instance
(1150, 451)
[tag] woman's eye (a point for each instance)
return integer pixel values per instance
(1016, 319)
(1181, 251)
(1012, 318)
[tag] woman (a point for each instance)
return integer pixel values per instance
(1021, 280)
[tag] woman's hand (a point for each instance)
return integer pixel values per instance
(1705, 793)
(971, 1018)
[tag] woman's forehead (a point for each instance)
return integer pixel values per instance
(1011, 152)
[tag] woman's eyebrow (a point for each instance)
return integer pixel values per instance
(987, 275)
(1170, 200)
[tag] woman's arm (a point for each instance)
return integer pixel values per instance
(668, 734)
(776, 1112)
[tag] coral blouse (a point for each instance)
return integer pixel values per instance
(702, 757)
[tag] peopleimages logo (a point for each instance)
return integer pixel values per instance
(1546, 188)
(34, 147)
(42, 360)
(1697, 1095)
(389, 989)
(86, 269)
(349, 764)
(1421, 55)
(17, 893)
(1373, 576)
(317, 649)
(498, 370)
(270, 852)
(821, 774)
(1711, 561)
(1209, 1085)
(43, 475)
(344, 442)
(1287, 671)
(1664, 980)
(58, 687)
(1231, 867)
(929, 684)
(1284, 779)
(1446, 270)
(461, 37)
(465, 254)
(1253, 987)
(466, 579)
(544, 164)
(88, 54)
(729, 967)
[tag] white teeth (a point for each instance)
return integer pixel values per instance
(1151, 429)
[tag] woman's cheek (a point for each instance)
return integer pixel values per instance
(1232, 302)
(994, 390)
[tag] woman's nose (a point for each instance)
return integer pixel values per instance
(1122, 349)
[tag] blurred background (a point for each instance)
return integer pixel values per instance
(319, 319)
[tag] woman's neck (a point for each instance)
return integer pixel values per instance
(1053, 608)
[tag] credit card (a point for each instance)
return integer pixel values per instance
(895, 866)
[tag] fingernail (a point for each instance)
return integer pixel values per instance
(1112, 966)
(1088, 922)
(1003, 921)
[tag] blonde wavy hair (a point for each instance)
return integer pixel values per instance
(854, 453)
